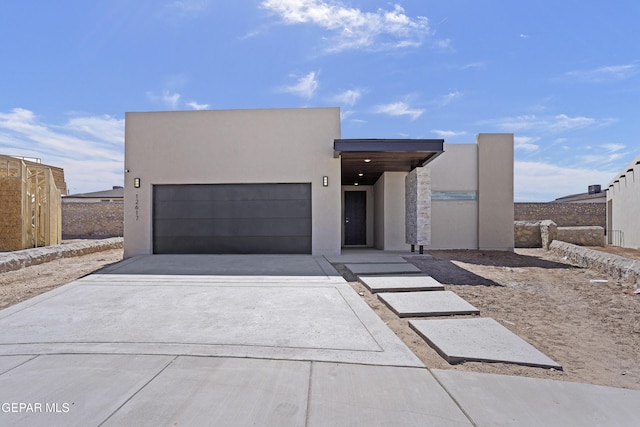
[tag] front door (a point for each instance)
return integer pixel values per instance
(355, 218)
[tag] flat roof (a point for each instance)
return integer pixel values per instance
(365, 160)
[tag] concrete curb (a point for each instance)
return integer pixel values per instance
(16, 260)
(615, 266)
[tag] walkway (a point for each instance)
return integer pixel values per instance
(248, 340)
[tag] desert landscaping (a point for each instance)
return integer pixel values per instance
(586, 322)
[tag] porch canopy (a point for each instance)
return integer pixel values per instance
(364, 160)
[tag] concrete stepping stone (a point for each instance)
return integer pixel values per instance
(401, 283)
(479, 340)
(384, 268)
(426, 303)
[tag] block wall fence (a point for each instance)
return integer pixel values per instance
(98, 220)
(563, 214)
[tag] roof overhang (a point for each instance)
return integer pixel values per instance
(365, 160)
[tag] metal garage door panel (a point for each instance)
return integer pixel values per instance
(207, 209)
(232, 218)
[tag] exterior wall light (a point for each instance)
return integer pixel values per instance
(325, 181)
(360, 174)
(136, 182)
(355, 183)
(367, 160)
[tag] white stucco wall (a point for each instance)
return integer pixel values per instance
(233, 146)
(495, 191)
(454, 224)
(623, 201)
(486, 169)
(389, 216)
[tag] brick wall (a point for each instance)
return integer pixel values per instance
(92, 220)
(563, 214)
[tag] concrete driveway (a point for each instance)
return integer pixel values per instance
(248, 340)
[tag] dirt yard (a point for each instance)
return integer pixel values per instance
(19, 285)
(590, 327)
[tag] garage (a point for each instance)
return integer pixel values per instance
(232, 219)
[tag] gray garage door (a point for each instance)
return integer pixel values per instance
(232, 219)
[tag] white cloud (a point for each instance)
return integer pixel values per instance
(305, 87)
(543, 182)
(197, 106)
(557, 123)
(448, 133)
(563, 122)
(348, 97)
(611, 153)
(526, 143)
(600, 159)
(168, 99)
(442, 44)
(399, 109)
(89, 148)
(449, 98)
(524, 36)
(105, 127)
(603, 74)
(612, 148)
(173, 101)
(478, 65)
(353, 28)
(345, 114)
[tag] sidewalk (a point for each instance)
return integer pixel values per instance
(249, 340)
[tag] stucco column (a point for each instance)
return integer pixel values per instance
(495, 192)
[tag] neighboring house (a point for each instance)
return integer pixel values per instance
(95, 215)
(30, 212)
(283, 181)
(594, 195)
(115, 195)
(623, 207)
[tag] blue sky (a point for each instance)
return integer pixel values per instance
(564, 77)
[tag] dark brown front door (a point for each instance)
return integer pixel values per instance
(355, 217)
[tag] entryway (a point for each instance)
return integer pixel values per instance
(355, 218)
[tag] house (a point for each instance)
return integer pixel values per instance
(284, 181)
(115, 195)
(623, 207)
(30, 212)
(593, 195)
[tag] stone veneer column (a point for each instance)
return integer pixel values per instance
(418, 207)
